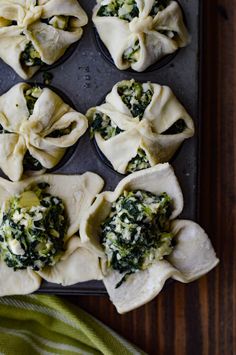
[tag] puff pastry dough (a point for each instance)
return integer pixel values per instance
(193, 254)
(150, 133)
(48, 26)
(139, 38)
(78, 262)
(24, 132)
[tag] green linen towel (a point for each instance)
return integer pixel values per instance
(48, 325)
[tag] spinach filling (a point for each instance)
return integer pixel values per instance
(32, 229)
(31, 163)
(136, 96)
(30, 57)
(137, 231)
(168, 33)
(62, 132)
(102, 124)
(139, 162)
(159, 5)
(123, 9)
(131, 54)
(178, 127)
(31, 96)
(60, 22)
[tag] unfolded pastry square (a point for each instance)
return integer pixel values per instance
(38, 32)
(36, 128)
(39, 221)
(138, 33)
(141, 244)
(139, 125)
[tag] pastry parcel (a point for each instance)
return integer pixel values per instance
(141, 244)
(39, 224)
(38, 32)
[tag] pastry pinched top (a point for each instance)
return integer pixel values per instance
(35, 130)
(139, 125)
(138, 33)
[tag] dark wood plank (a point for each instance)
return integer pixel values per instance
(199, 318)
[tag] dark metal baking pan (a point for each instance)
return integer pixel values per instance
(85, 77)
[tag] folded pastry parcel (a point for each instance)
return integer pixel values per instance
(39, 219)
(135, 232)
(37, 32)
(139, 125)
(138, 33)
(36, 128)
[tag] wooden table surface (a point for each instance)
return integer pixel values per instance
(199, 318)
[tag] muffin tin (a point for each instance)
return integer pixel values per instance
(85, 76)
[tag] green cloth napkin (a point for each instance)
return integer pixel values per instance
(47, 325)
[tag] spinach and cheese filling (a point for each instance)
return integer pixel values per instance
(137, 231)
(128, 9)
(168, 33)
(31, 163)
(178, 127)
(103, 124)
(159, 5)
(32, 229)
(61, 22)
(58, 133)
(31, 96)
(136, 96)
(123, 9)
(139, 162)
(30, 57)
(132, 53)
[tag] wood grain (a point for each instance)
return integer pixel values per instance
(199, 318)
